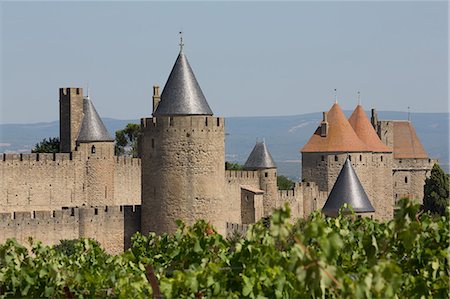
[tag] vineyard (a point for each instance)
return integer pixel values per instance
(343, 257)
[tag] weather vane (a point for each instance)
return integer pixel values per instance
(181, 41)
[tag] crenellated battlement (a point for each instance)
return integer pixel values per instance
(122, 160)
(66, 214)
(194, 123)
(39, 157)
(250, 174)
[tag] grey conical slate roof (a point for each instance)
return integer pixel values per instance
(92, 128)
(182, 95)
(260, 158)
(347, 189)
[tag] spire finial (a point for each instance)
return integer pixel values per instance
(181, 41)
(335, 96)
(359, 97)
(409, 113)
(87, 90)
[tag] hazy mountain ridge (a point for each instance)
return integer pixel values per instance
(284, 135)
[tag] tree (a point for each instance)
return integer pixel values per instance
(436, 191)
(47, 146)
(127, 140)
(233, 166)
(284, 183)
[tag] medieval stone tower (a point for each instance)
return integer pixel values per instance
(261, 160)
(337, 138)
(183, 156)
(96, 147)
(71, 116)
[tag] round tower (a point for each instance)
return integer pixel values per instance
(96, 148)
(183, 157)
(261, 160)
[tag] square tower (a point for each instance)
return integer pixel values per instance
(70, 117)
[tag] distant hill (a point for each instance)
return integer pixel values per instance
(284, 135)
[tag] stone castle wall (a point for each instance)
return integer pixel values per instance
(183, 171)
(409, 177)
(111, 226)
(38, 182)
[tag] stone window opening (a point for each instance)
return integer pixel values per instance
(218, 122)
(95, 211)
(93, 149)
(406, 180)
(323, 158)
(170, 121)
(381, 158)
(206, 121)
(336, 158)
(266, 174)
(360, 158)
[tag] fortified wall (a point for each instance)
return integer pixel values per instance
(111, 226)
(37, 182)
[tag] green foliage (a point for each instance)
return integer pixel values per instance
(233, 166)
(127, 140)
(436, 191)
(284, 183)
(319, 257)
(47, 146)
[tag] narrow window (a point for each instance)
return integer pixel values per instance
(93, 149)
(78, 91)
(21, 157)
(37, 157)
(171, 121)
(218, 122)
(336, 158)
(323, 158)
(360, 158)
(381, 158)
(266, 174)
(95, 211)
(206, 121)
(406, 179)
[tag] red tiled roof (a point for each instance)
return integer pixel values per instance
(340, 137)
(406, 142)
(362, 127)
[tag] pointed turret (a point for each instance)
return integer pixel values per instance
(347, 189)
(92, 128)
(182, 94)
(365, 131)
(338, 136)
(260, 158)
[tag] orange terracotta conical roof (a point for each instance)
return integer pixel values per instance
(406, 142)
(362, 127)
(340, 136)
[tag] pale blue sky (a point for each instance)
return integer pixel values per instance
(251, 59)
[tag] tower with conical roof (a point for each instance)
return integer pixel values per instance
(261, 160)
(183, 156)
(347, 190)
(96, 147)
(326, 151)
(381, 163)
